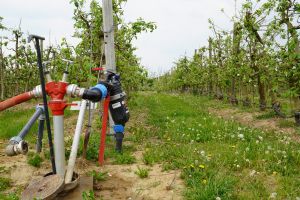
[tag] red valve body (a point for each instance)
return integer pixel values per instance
(57, 92)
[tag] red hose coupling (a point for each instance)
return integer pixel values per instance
(56, 90)
(57, 106)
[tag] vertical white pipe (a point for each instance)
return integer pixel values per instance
(73, 155)
(59, 144)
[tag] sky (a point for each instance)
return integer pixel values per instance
(182, 25)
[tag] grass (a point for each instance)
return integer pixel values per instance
(215, 156)
(98, 176)
(285, 123)
(11, 196)
(34, 160)
(89, 195)
(5, 183)
(267, 115)
(19, 119)
(142, 172)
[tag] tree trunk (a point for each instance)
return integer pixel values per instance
(236, 64)
(2, 72)
(210, 82)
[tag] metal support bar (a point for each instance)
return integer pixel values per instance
(30, 123)
(39, 142)
(42, 79)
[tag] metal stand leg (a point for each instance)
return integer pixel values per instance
(39, 142)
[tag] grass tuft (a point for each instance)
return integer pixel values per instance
(142, 172)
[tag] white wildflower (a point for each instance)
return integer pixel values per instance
(273, 195)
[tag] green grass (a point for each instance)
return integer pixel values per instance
(89, 195)
(98, 176)
(285, 123)
(215, 156)
(12, 122)
(142, 172)
(34, 160)
(267, 115)
(5, 183)
(11, 196)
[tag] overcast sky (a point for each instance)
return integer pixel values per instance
(182, 24)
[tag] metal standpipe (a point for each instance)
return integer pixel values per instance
(59, 144)
(73, 155)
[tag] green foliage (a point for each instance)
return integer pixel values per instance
(34, 160)
(90, 48)
(5, 183)
(259, 57)
(216, 157)
(90, 195)
(124, 158)
(11, 196)
(142, 172)
(98, 176)
(18, 67)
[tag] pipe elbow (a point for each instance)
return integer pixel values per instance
(95, 94)
(17, 148)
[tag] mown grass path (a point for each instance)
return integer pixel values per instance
(217, 158)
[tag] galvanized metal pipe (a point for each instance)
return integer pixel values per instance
(59, 145)
(32, 120)
(39, 142)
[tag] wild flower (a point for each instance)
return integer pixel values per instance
(252, 173)
(273, 195)
(201, 166)
(241, 136)
(267, 152)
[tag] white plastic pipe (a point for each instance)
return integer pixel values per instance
(73, 155)
(59, 144)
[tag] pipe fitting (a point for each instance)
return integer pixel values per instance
(74, 91)
(37, 91)
(14, 149)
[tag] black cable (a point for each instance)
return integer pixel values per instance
(42, 79)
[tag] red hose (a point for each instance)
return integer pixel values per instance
(15, 100)
(103, 131)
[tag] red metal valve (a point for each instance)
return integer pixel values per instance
(57, 92)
